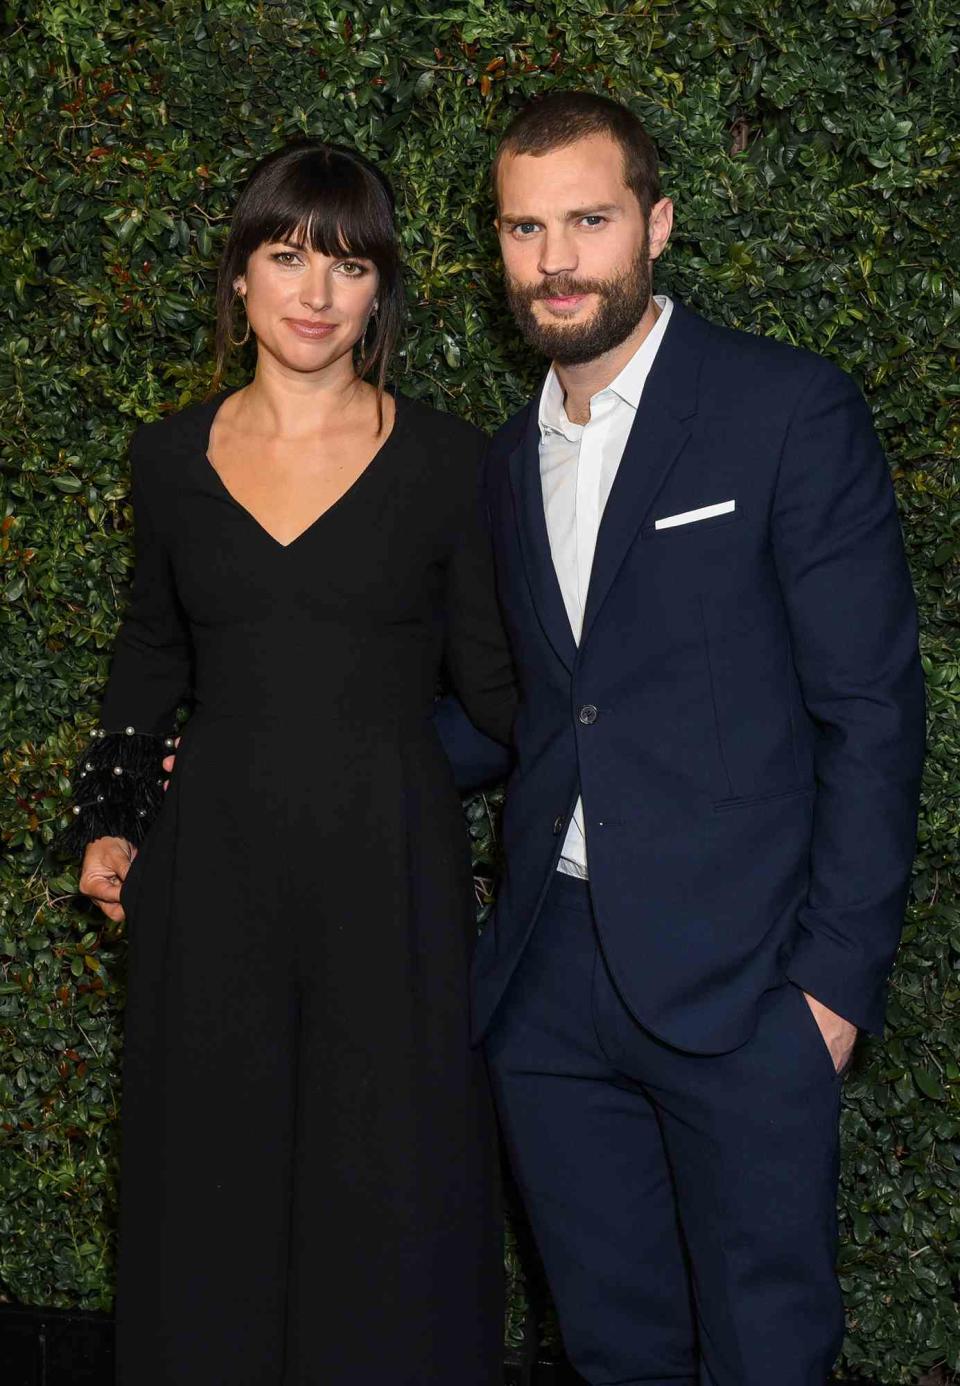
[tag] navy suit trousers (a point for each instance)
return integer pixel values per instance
(684, 1204)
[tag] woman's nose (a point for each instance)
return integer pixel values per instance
(315, 292)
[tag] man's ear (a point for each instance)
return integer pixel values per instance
(659, 227)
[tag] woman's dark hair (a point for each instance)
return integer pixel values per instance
(561, 118)
(342, 205)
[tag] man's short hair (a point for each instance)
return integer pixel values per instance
(562, 117)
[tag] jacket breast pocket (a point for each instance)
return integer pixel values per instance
(670, 524)
(766, 800)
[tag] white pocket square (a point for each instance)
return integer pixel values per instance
(689, 517)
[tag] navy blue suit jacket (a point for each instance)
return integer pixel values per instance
(744, 716)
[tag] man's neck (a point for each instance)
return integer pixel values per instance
(580, 383)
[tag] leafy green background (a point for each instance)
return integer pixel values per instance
(812, 153)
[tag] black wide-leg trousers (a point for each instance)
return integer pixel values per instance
(684, 1205)
(308, 1181)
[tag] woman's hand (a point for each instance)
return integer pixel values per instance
(168, 762)
(106, 862)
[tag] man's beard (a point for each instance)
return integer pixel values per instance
(622, 302)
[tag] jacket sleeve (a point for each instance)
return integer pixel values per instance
(118, 781)
(477, 760)
(477, 655)
(843, 573)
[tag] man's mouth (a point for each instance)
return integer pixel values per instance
(564, 303)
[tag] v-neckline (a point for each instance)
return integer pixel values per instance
(208, 421)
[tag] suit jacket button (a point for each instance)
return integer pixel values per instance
(557, 826)
(588, 714)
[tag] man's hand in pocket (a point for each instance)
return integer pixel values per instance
(838, 1034)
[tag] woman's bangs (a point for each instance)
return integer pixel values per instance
(336, 213)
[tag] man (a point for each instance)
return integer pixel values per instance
(709, 829)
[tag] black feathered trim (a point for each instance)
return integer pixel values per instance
(117, 789)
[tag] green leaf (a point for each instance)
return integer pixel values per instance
(928, 1083)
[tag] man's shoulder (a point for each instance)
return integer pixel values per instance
(759, 365)
(509, 434)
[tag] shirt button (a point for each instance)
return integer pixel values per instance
(557, 826)
(588, 714)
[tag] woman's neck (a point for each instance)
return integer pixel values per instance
(288, 404)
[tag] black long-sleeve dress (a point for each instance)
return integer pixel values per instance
(308, 1187)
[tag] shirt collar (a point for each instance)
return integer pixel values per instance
(627, 386)
(553, 416)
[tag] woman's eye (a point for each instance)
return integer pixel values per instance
(353, 269)
(285, 257)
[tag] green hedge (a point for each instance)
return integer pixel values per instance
(812, 153)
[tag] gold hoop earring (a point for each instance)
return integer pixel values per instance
(363, 338)
(246, 336)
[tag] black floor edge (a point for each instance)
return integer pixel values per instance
(73, 1347)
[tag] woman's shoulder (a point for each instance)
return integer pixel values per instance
(160, 447)
(181, 426)
(438, 427)
(450, 450)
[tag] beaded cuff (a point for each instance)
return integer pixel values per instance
(118, 788)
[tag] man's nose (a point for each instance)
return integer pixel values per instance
(558, 253)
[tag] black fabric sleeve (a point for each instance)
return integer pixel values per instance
(118, 782)
(476, 651)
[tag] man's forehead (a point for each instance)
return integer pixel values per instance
(588, 170)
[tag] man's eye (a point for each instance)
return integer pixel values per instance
(525, 228)
(594, 219)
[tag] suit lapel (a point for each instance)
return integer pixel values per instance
(534, 543)
(660, 430)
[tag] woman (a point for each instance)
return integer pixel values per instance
(308, 1169)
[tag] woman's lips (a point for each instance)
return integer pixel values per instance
(310, 330)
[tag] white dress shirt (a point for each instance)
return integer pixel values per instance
(578, 464)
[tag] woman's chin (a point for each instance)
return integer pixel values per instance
(303, 356)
